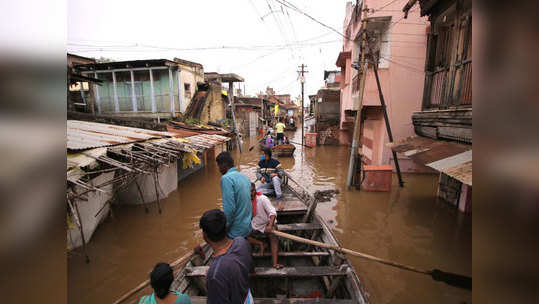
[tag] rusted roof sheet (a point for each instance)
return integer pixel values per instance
(82, 135)
(451, 158)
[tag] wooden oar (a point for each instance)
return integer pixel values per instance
(293, 142)
(453, 279)
(142, 285)
(257, 142)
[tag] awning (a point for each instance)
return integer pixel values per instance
(451, 158)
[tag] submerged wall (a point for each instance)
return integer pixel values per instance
(168, 182)
(88, 210)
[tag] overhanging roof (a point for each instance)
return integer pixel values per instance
(341, 60)
(229, 77)
(125, 64)
(451, 158)
(82, 135)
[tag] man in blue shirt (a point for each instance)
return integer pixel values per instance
(236, 193)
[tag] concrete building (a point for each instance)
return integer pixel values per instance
(80, 88)
(192, 74)
(400, 46)
(151, 88)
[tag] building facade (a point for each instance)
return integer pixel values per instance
(444, 123)
(192, 74)
(152, 88)
(399, 45)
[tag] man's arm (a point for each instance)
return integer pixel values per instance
(272, 214)
(271, 224)
(278, 171)
(227, 191)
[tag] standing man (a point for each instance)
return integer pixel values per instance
(236, 193)
(279, 128)
(292, 121)
(227, 279)
(269, 173)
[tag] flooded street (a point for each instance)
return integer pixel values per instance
(408, 225)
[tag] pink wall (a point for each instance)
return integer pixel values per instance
(402, 81)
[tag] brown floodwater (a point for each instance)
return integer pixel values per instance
(408, 225)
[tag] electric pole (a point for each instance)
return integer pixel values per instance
(302, 80)
(357, 123)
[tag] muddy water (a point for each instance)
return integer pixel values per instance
(407, 225)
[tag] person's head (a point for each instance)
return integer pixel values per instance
(267, 153)
(213, 225)
(224, 162)
(253, 190)
(161, 278)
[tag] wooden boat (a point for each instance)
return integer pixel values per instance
(284, 150)
(310, 275)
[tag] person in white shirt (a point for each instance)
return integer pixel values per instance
(263, 223)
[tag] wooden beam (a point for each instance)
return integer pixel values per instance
(298, 226)
(202, 300)
(268, 272)
(124, 70)
(295, 254)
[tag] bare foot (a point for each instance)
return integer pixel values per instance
(278, 266)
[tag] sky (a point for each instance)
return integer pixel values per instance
(261, 40)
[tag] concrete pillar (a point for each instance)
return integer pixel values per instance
(116, 102)
(133, 97)
(180, 98)
(97, 97)
(154, 108)
(171, 90)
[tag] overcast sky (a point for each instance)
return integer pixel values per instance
(255, 36)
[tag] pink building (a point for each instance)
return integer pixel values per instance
(402, 47)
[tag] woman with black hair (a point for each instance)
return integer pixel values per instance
(161, 278)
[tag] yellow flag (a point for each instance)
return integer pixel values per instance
(276, 109)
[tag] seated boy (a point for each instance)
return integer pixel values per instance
(263, 223)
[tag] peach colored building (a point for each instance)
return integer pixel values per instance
(402, 47)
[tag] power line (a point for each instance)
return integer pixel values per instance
(411, 68)
(385, 5)
(90, 47)
(292, 6)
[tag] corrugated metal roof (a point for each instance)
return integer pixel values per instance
(451, 158)
(82, 135)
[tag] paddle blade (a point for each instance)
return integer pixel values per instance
(452, 279)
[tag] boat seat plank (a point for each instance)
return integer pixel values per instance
(298, 226)
(295, 254)
(202, 300)
(267, 272)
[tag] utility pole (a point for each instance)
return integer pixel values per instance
(233, 108)
(357, 122)
(386, 119)
(302, 80)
